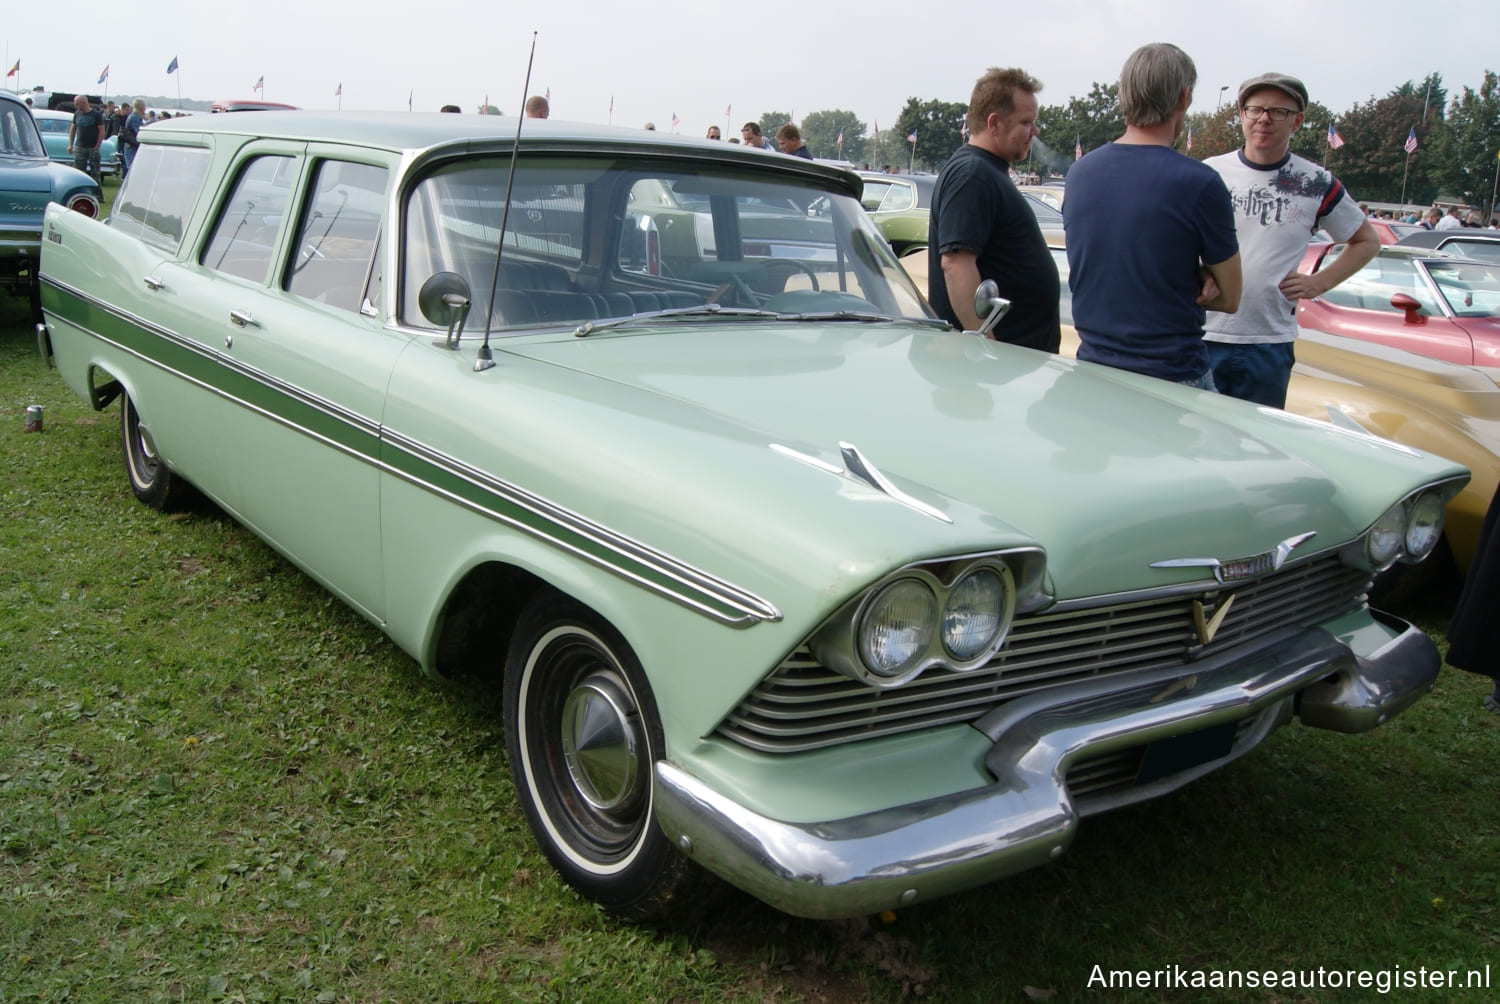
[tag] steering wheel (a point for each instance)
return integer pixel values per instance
(796, 265)
(741, 290)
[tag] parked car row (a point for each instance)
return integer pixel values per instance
(29, 182)
(779, 576)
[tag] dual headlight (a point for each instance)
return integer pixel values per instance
(918, 620)
(1407, 531)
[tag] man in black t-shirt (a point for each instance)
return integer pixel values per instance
(84, 137)
(981, 227)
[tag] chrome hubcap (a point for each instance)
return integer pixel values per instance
(602, 744)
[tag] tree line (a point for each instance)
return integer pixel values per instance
(1457, 152)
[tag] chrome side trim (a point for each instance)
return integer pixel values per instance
(716, 598)
(918, 852)
(750, 606)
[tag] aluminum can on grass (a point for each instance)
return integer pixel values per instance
(33, 418)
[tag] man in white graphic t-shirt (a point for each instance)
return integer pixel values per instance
(1280, 201)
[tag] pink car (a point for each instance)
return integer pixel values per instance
(1414, 299)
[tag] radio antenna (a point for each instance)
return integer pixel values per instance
(486, 359)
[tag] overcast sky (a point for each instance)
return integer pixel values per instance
(698, 60)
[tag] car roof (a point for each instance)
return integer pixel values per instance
(417, 132)
(1437, 238)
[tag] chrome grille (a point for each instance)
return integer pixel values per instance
(1106, 773)
(803, 706)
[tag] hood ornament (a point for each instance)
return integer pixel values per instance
(858, 467)
(1237, 569)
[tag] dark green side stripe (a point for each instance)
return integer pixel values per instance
(362, 437)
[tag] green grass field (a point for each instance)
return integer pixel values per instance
(217, 783)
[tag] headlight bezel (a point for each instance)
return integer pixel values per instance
(1389, 539)
(1433, 522)
(839, 643)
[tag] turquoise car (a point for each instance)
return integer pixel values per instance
(29, 182)
(779, 576)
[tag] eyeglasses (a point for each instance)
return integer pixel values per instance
(1253, 113)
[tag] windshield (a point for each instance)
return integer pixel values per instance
(590, 238)
(1471, 289)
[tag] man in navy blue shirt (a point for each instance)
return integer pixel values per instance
(1150, 232)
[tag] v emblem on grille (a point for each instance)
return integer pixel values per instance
(1207, 626)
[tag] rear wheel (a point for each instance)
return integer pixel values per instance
(583, 734)
(150, 478)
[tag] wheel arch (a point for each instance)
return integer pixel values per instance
(474, 624)
(104, 387)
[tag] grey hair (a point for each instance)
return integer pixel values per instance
(1152, 81)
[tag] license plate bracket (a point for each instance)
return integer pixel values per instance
(1176, 754)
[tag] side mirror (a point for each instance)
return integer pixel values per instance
(1408, 303)
(989, 306)
(444, 300)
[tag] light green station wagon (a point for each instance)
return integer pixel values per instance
(782, 578)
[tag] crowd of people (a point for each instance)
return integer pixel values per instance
(1434, 218)
(92, 126)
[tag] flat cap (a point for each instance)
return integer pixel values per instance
(1293, 87)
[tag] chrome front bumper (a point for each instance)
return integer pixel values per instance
(918, 852)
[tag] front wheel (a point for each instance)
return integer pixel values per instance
(583, 734)
(152, 481)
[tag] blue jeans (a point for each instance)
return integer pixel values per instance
(1257, 372)
(1205, 382)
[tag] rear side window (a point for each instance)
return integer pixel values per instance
(159, 193)
(244, 238)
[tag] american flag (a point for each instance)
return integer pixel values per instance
(259, 84)
(675, 120)
(1078, 148)
(1334, 139)
(913, 137)
(1411, 140)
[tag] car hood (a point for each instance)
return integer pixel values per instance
(1107, 470)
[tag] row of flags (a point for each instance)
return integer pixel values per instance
(1335, 140)
(103, 74)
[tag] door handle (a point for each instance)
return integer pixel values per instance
(243, 319)
(153, 283)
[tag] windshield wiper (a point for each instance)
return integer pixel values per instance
(859, 315)
(704, 310)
